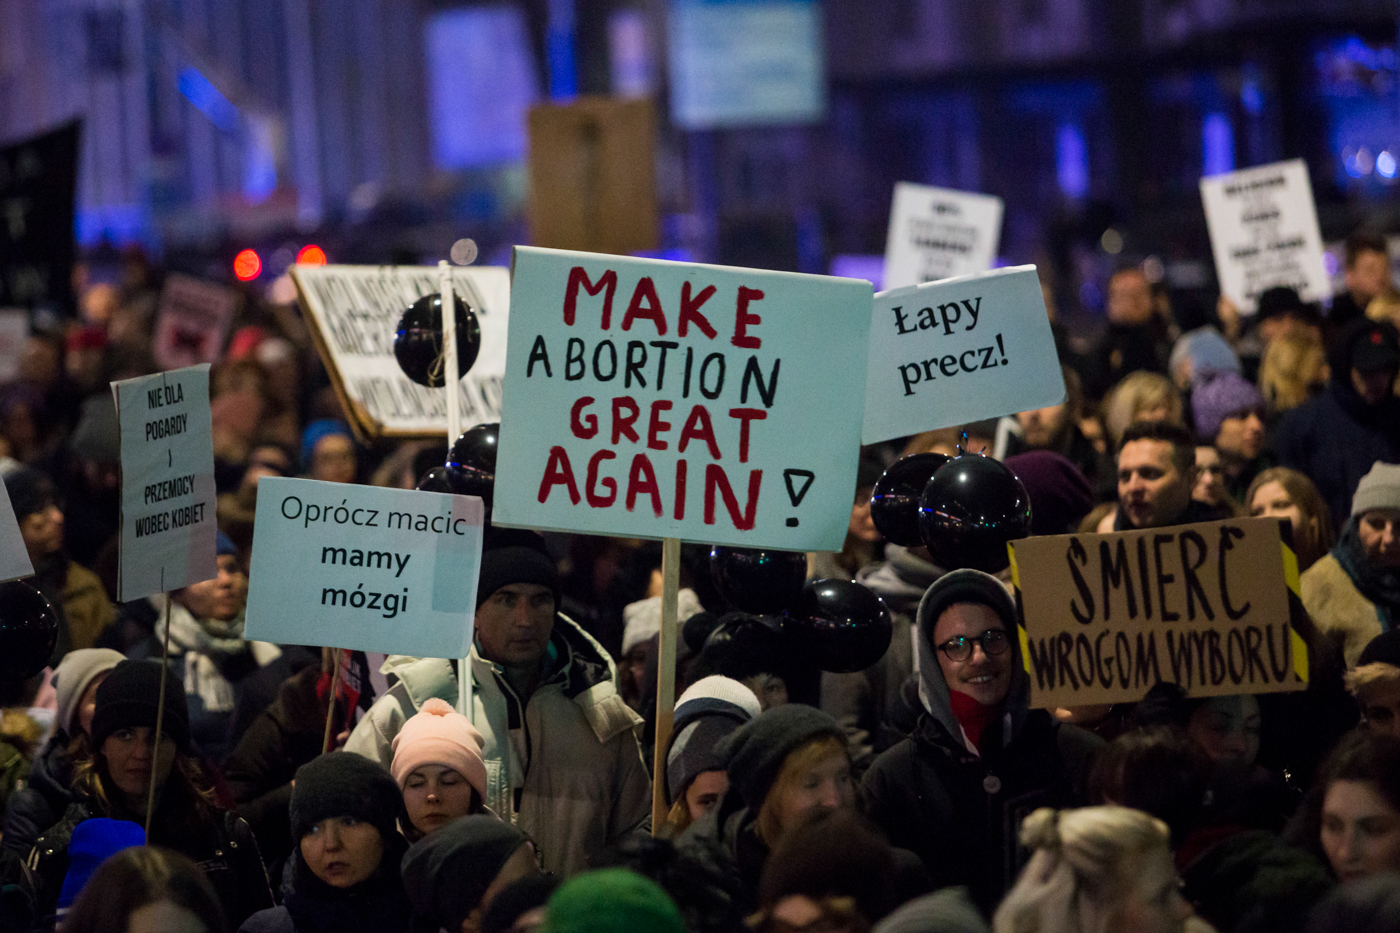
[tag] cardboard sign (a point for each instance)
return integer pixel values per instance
(38, 178)
(960, 350)
(14, 556)
(1206, 606)
(362, 567)
(354, 311)
(1264, 233)
(677, 400)
(192, 322)
(592, 175)
(168, 525)
(937, 233)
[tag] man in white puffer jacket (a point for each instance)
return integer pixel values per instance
(563, 761)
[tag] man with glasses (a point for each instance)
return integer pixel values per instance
(980, 760)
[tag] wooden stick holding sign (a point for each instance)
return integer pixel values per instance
(665, 675)
(454, 430)
(168, 532)
(330, 707)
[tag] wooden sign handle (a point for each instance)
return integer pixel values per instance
(665, 677)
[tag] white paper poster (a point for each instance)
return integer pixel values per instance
(168, 525)
(192, 322)
(354, 311)
(1264, 233)
(960, 350)
(938, 233)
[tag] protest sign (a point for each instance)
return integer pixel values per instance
(960, 350)
(354, 312)
(592, 175)
(1264, 233)
(38, 178)
(192, 321)
(168, 526)
(937, 233)
(14, 557)
(1107, 617)
(676, 400)
(362, 567)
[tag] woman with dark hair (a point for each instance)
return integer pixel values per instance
(1357, 810)
(1279, 492)
(343, 874)
(147, 888)
(114, 783)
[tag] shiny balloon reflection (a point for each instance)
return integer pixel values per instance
(894, 504)
(761, 582)
(839, 626)
(418, 343)
(28, 631)
(972, 506)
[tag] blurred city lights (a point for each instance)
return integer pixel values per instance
(311, 255)
(1385, 164)
(247, 265)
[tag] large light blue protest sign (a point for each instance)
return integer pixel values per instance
(364, 568)
(657, 399)
(168, 526)
(959, 350)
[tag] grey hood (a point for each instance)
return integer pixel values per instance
(933, 688)
(901, 580)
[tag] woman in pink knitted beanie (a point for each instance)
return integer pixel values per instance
(438, 766)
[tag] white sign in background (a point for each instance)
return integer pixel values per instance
(364, 568)
(938, 233)
(168, 525)
(356, 309)
(14, 556)
(658, 399)
(1264, 233)
(960, 350)
(192, 321)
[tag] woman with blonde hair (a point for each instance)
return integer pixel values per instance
(1095, 870)
(1293, 370)
(1141, 396)
(1279, 492)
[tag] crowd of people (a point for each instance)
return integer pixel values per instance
(301, 789)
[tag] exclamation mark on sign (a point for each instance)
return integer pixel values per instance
(1002, 347)
(796, 494)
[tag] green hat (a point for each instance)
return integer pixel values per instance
(609, 900)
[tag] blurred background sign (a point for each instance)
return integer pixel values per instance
(37, 182)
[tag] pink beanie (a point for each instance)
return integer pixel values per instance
(439, 735)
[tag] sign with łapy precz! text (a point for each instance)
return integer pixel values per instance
(14, 556)
(1264, 233)
(658, 399)
(168, 526)
(363, 567)
(353, 313)
(938, 233)
(960, 350)
(1206, 606)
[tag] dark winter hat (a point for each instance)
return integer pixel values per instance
(1220, 396)
(1383, 649)
(344, 784)
(1278, 301)
(1060, 495)
(130, 697)
(515, 556)
(317, 431)
(223, 544)
(97, 436)
(1374, 347)
(447, 872)
(754, 754)
(966, 586)
(30, 491)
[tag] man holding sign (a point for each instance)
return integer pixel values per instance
(562, 758)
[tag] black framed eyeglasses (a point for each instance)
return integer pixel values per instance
(994, 642)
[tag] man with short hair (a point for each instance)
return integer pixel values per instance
(1156, 473)
(1138, 337)
(980, 759)
(1367, 274)
(1376, 683)
(562, 757)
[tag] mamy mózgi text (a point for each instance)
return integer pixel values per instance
(946, 321)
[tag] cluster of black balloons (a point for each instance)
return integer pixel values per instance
(833, 625)
(470, 469)
(28, 631)
(964, 509)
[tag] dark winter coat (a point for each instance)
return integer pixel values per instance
(961, 812)
(309, 905)
(222, 845)
(41, 802)
(1252, 882)
(1334, 439)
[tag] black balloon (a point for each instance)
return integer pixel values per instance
(438, 479)
(839, 626)
(472, 461)
(760, 582)
(418, 342)
(28, 631)
(969, 510)
(894, 505)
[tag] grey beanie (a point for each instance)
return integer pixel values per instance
(706, 713)
(71, 678)
(754, 754)
(965, 586)
(1378, 489)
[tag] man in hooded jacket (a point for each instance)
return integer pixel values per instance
(980, 760)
